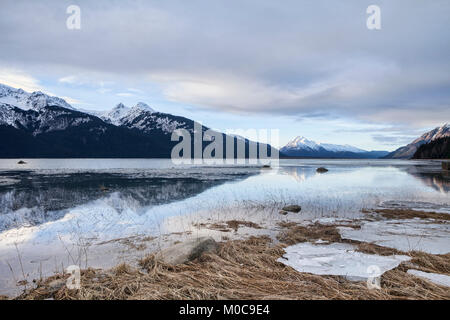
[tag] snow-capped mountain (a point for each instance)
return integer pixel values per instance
(26, 101)
(115, 114)
(37, 112)
(37, 125)
(300, 143)
(42, 119)
(302, 147)
(408, 151)
(144, 118)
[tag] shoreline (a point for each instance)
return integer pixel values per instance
(253, 262)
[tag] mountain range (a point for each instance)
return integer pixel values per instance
(409, 150)
(36, 125)
(302, 147)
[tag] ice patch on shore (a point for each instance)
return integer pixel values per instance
(440, 279)
(404, 235)
(337, 259)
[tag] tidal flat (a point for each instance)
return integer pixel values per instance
(105, 213)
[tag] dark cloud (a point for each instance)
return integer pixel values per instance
(303, 58)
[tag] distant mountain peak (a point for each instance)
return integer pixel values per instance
(25, 101)
(144, 106)
(121, 112)
(302, 143)
(116, 113)
(408, 151)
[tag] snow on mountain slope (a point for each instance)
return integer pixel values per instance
(37, 112)
(302, 143)
(144, 118)
(144, 106)
(408, 151)
(39, 117)
(26, 101)
(44, 119)
(115, 114)
(341, 148)
(38, 125)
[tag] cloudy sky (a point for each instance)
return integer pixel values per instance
(309, 68)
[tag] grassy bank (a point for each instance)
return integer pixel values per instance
(248, 269)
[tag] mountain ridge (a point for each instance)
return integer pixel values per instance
(303, 147)
(41, 126)
(436, 149)
(408, 151)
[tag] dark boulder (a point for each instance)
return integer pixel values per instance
(292, 208)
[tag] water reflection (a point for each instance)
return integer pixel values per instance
(28, 198)
(300, 174)
(429, 175)
(432, 177)
(72, 207)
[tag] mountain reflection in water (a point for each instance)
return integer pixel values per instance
(29, 198)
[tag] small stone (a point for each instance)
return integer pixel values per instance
(21, 162)
(322, 170)
(292, 208)
(283, 212)
(187, 251)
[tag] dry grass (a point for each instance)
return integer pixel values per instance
(133, 242)
(245, 269)
(294, 233)
(229, 225)
(411, 214)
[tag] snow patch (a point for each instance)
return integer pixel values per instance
(436, 278)
(404, 235)
(25, 101)
(338, 259)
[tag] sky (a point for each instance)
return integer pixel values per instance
(306, 68)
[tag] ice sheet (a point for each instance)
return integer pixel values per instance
(338, 259)
(405, 235)
(440, 279)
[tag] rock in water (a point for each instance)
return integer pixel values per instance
(322, 170)
(292, 208)
(187, 251)
(282, 212)
(21, 162)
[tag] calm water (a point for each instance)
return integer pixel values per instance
(46, 190)
(46, 203)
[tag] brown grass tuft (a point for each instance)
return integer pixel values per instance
(248, 269)
(242, 269)
(295, 233)
(227, 226)
(411, 214)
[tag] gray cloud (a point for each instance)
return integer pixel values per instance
(393, 140)
(302, 58)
